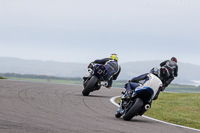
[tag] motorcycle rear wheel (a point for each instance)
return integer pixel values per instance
(134, 109)
(90, 86)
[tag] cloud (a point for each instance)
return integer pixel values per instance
(136, 29)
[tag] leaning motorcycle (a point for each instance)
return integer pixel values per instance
(140, 100)
(95, 80)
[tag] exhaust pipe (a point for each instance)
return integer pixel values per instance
(147, 107)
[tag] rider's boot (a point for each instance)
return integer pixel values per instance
(120, 111)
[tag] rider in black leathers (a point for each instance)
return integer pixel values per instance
(167, 75)
(112, 67)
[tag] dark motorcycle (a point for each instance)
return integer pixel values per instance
(140, 100)
(95, 80)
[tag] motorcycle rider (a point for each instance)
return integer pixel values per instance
(168, 71)
(140, 81)
(112, 67)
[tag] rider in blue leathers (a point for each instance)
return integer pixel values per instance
(112, 67)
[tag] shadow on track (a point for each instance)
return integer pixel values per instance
(134, 120)
(98, 96)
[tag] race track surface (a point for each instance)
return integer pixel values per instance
(31, 107)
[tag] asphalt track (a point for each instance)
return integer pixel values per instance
(31, 107)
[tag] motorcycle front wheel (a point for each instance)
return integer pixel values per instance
(134, 109)
(90, 85)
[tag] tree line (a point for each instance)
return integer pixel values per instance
(16, 75)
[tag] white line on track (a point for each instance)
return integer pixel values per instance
(112, 100)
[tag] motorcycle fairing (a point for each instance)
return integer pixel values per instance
(145, 93)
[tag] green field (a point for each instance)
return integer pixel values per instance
(178, 108)
(67, 81)
(183, 88)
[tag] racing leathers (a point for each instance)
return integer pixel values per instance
(167, 75)
(112, 67)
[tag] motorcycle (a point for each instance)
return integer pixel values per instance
(140, 100)
(95, 80)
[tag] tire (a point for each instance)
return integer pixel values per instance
(134, 109)
(90, 85)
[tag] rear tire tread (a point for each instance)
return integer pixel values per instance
(134, 110)
(90, 85)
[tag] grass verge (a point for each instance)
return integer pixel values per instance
(178, 108)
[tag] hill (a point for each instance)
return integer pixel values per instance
(51, 68)
(188, 73)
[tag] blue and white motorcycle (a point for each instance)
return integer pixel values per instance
(140, 100)
(95, 79)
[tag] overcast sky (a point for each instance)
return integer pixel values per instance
(84, 30)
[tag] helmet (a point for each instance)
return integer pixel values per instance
(114, 57)
(155, 71)
(174, 59)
